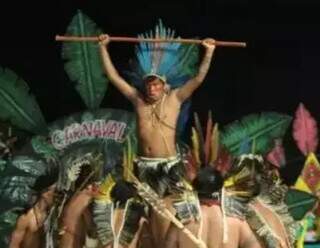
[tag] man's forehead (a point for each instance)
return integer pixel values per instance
(154, 77)
(156, 81)
(153, 81)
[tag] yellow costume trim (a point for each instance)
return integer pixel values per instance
(105, 189)
(301, 184)
(230, 181)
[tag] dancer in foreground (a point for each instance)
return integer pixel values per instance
(162, 67)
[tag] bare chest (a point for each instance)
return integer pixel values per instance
(163, 113)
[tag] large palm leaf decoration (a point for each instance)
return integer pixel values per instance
(7, 224)
(15, 191)
(299, 203)
(83, 62)
(259, 129)
(18, 105)
(17, 180)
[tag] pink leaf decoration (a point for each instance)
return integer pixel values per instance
(277, 156)
(305, 131)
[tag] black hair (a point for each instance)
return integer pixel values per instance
(40, 186)
(123, 191)
(43, 182)
(207, 182)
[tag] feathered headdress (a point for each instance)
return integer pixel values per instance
(173, 63)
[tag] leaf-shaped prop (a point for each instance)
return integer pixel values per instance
(7, 223)
(310, 175)
(277, 156)
(44, 148)
(3, 165)
(18, 105)
(29, 165)
(245, 146)
(305, 131)
(84, 61)
(299, 203)
(16, 190)
(260, 129)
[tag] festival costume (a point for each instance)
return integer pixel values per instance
(173, 63)
(164, 175)
(253, 208)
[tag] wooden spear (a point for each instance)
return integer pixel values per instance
(145, 191)
(131, 39)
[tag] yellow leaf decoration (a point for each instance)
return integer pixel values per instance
(214, 144)
(105, 189)
(128, 158)
(195, 146)
(309, 179)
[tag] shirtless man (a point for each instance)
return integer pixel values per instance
(157, 110)
(129, 216)
(211, 229)
(157, 138)
(76, 219)
(29, 227)
(239, 232)
(266, 209)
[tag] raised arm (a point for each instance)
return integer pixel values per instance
(190, 86)
(126, 89)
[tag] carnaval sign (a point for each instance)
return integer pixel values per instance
(106, 124)
(105, 129)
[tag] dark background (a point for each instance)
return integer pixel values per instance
(278, 70)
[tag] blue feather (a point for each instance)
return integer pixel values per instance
(183, 119)
(173, 61)
(245, 146)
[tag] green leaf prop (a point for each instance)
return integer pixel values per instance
(299, 203)
(29, 165)
(7, 224)
(259, 129)
(83, 61)
(16, 189)
(18, 105)
(189, 59)
(43, 148)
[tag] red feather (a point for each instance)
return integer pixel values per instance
(305, 131)
(224, 161)
(207, 144)
(277, 156)
(190, 166)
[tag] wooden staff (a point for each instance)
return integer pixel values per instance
(159, 206)
(131, 39)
